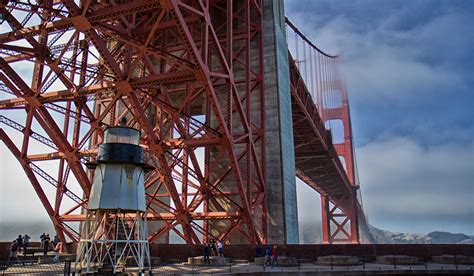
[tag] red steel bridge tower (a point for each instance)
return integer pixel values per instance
(227, 116)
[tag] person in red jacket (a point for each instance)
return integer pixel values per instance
(57, 251)
(274, 255)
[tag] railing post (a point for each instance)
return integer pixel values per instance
(67, 267)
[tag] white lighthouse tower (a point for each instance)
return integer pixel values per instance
(115, 232)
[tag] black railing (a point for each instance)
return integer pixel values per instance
(35, 267)
(364, 264)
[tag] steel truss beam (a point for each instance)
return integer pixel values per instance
(183, 72)
(187, 73)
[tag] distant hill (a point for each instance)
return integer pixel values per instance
(310, 233)
(387, 237)
(446, 237)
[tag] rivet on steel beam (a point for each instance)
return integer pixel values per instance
(124, 87)
(166, 5)
(81, 23)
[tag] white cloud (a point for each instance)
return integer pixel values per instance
(416, 187)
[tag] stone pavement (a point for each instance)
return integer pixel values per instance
(34, 269)
(310, 268)
(251, 268)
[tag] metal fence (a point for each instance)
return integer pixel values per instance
(181, 268)
(27, 267)
(365, 264)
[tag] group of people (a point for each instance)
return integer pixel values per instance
(210, 249)
(271, 254)
(57, 245)
(22, 242)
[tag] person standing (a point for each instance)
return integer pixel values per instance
(219, 248)
(14, 251)
(26, 243)
(42, 239)
(259, 250)
(206, 251)
(55, 240)
(212, 245)
(268, 255)
(57, 250)
(19, 242)
(46, 244)
(274, 255)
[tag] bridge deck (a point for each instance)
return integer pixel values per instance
(317, 162)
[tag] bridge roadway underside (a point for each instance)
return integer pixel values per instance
(316, 160)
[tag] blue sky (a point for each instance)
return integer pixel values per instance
(409, 67)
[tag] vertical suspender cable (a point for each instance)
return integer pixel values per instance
(320, 86)
(311, 73)
(297, 51)
(315, 76)
(331, 84)
(326, 89)
(323, 91)
(305, 63)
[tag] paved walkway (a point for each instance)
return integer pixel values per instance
(34, 269)
(251, 268)
(369, 268)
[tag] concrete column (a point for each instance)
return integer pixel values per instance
(282, 213)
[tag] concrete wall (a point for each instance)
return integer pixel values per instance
(282, 225)
(5, 249)
(248, 252)
(182, 251)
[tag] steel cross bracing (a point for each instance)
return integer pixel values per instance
(181, 71)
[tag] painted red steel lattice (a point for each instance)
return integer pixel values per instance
(189, 75)
(184, 72)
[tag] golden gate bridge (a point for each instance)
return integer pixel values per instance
(233, 101)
